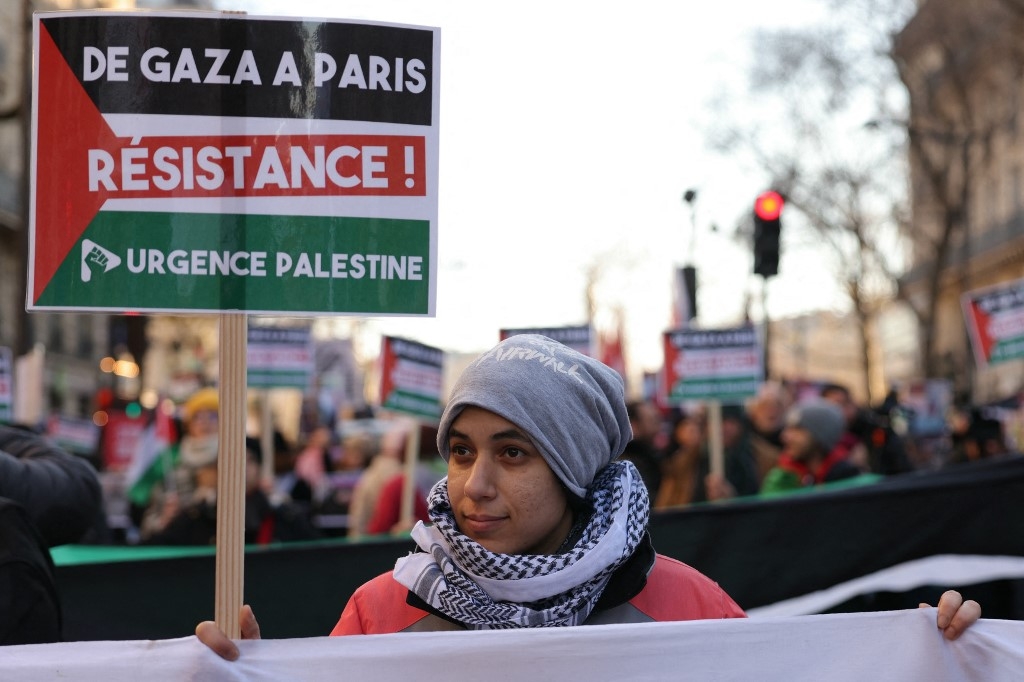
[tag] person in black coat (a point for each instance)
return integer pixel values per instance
(48, 497)
(60, 491)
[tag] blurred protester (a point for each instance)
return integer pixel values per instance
(887, 451)
(170, 481)
(812, 430)
(351, 461)
(684, 464)
(312, 483)
(385, 463)
(265, 522)
(284, 455)
(642, 450)
(850, 446)
(60, 492)
(387, 513)
(741, 474)
(766, 414)
(48, 497)
(976, 436)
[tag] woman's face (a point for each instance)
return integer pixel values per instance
(203, 423)
(503, 494)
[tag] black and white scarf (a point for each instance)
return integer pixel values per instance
(484, 590)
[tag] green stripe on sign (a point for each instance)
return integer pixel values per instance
(246, 262)
(1010, 349)
(264, 379)
(412, 403)
(729, 388)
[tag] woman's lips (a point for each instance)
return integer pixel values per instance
(481, 524)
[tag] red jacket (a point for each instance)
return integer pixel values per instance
(673, 591)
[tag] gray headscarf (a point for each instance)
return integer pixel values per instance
(570, 405)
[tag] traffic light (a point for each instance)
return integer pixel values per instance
(767, 230)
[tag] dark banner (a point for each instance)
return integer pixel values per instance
(226, 65)
(766, 551)
(761, 552)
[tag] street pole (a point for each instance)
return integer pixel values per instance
(767, 326)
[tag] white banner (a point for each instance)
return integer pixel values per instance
(880, 646)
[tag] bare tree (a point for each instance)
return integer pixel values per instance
(850, 141)
(813, 89)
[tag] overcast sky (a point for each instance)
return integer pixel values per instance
(569, 132)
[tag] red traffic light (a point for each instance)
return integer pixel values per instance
(768, 205)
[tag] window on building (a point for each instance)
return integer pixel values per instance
(85, 341)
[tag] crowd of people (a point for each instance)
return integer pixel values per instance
(347, 479)
(329, 484)
(784, 438)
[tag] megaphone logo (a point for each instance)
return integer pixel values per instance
(93, 253)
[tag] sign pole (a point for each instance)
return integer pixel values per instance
(229, 579)
(412, 455)
(715, 437)
(268, 469)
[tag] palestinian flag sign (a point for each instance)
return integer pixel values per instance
(217, 162)
(712, 364)
(577, 337)
(411, 375)
(995, 319)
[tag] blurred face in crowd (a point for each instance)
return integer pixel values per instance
(732, 431)
(844, 401)
(798, 442)
(647, 424)
(502, 491)
(690, 432)
(206, 477)
(768, 411)
(253, 472)
(203, 423)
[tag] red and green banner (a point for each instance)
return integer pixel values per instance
(712, 364)
(411, 374)
(218, 162)
(995, 320)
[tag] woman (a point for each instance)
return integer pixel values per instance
(536, 524)
(684, 463)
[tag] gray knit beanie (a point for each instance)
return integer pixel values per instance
(571, 406)
(821, 418)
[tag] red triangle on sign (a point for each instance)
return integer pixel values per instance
(68, 125)
(981, 322)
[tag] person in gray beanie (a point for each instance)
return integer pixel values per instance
(570, 405)
(813, 428)
(538, 523)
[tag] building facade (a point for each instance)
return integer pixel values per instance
(962, 62)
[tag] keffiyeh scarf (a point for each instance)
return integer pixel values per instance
(483, 590)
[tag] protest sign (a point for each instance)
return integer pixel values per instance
(220, 162)
(712, 364)
(411, 384)
(715, 365)
(995, 320)
(577, 337)
(411, 375)
(279, 357)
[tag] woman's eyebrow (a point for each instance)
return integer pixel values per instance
(511, 434)
(507, 434)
